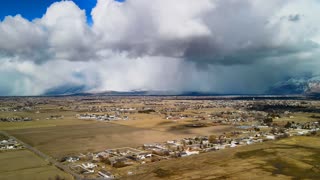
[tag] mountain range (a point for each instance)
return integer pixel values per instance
(293, 86)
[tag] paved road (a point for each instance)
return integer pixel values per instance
(46, 157)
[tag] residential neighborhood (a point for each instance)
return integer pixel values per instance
(111, 137)
(112, 159)
(9, 144)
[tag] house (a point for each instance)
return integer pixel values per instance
(171, 142)
(232, 145)
(88, 165)
(72, 159)
(257, 140)
(195, 147)
(143, 156)
(234, 142)
(103, 155)
(10, 147)
(119, 161)
(271, 137)
(154, 147)
(218, 147)
(3, 142)
(246, 141)
(106, 174)
(302, 132)
(188, 153)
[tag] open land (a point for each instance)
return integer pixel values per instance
(292, 158)
(160, 137)
(97, 136)
(24, 165)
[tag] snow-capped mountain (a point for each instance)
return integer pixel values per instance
(309, 86)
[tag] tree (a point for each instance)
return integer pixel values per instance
(268, 121)
(119, 164)
(288, 125)
(105, 160)
(313, 133)
(212, 139)
(273, 131)
(184, 143)
(282, 130)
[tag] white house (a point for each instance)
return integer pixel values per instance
(271, 137)
(106, 174)
(88, 165)
(189, 153)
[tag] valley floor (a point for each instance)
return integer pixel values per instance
(292, 158)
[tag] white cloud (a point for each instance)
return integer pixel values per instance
(19, 38)
(223, 46)
(69, 36)
(141, 27)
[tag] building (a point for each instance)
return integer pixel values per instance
(106, 174)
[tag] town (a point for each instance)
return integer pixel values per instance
(95, 163)
(114, 137)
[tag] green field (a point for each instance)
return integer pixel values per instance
(24, 165)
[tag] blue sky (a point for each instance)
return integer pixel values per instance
(31, 9)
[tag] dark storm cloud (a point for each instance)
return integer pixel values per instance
(294, 18)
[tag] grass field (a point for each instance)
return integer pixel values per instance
(298, 118)
(70, 135)
(39, 124)
(41, 115)
(155, 122)
(292, 158)
(24, 165)
(93, 136)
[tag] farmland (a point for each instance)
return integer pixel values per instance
(24, 165)
(67, 139)
(159, 137)
(296, 157)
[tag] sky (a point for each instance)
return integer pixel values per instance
(216, 46)
(31, 9)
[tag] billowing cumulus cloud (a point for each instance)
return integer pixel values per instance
(221, 46)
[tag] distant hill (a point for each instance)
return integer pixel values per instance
(294, 86)
(155, 93)
(305, 86)
(66, 90)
